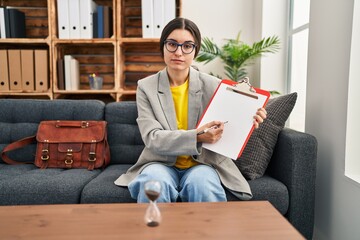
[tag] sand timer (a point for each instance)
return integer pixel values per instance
(152, 190)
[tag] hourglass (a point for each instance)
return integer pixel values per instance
(152, 191)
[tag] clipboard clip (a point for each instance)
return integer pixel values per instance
(244, 87)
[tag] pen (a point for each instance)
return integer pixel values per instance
(207, 129)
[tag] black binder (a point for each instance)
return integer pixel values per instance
(17, 23)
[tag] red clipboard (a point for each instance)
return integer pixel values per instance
(236, 103)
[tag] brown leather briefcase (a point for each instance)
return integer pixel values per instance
(67, 144)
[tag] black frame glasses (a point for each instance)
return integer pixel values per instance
(186, 47)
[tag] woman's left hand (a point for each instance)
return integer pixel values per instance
(259, 117)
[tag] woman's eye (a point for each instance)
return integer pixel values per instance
(172, 44)
(188, 46)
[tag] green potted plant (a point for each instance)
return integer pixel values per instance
(236, 55)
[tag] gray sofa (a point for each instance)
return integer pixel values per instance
(289, 182)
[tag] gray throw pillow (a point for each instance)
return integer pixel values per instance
(259, 149)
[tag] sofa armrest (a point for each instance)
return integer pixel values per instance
(294, 163)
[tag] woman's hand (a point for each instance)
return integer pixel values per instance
(259, 117)
(210, 132)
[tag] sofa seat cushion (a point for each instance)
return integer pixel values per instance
(103, 190)
(270, 189)
(27, 184)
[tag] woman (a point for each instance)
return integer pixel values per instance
(170, 104)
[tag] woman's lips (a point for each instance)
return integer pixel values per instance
(177, 60)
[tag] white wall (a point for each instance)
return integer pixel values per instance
(337, 212)
(220, 20)
(224, 19)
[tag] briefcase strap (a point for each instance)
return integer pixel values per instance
(92, 156)
(16, 145)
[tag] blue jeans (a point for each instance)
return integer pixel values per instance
(199, 183)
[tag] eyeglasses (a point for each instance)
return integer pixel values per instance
(186, 47)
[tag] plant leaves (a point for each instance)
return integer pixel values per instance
(235, 54)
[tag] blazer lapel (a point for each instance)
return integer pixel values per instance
(195, 95)
(165, 99)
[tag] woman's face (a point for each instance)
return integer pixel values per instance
(178, 61)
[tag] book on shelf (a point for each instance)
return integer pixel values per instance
(4, 73)
(158, 16)
(87, 10)
(27, 69)
(14, 59)
(2, 23)
(147, 18)
(74, 19)
(107, 22)
(75, 74)
(155, 15)
(72, 73)
(17, 23)
(63, 19)
(95, 25)
(60, 74)
(67, 71)
(100, 21)
(41, 70)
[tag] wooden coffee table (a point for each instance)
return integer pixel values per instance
(229, 220)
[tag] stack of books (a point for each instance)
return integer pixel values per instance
(68, 73)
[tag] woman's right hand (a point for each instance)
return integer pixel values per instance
(210, 132)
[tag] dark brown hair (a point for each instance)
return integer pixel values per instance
(181, 23)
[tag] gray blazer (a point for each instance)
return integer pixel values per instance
(164, 142)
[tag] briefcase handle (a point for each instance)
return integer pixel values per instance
(78, 124)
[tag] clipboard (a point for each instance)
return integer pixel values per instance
(236, 103)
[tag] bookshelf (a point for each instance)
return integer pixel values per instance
(121, 59)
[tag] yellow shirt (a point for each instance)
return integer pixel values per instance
(181, 99)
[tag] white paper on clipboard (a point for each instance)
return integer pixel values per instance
(236, 103)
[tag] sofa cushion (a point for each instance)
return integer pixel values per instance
(124, 136)
(20, 118)
(270, 189)
(27, 184)
(259, 149)
(103, 190)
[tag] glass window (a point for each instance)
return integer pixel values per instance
(298, 49)
(301, 12)
(352, 163)
(298, 77)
